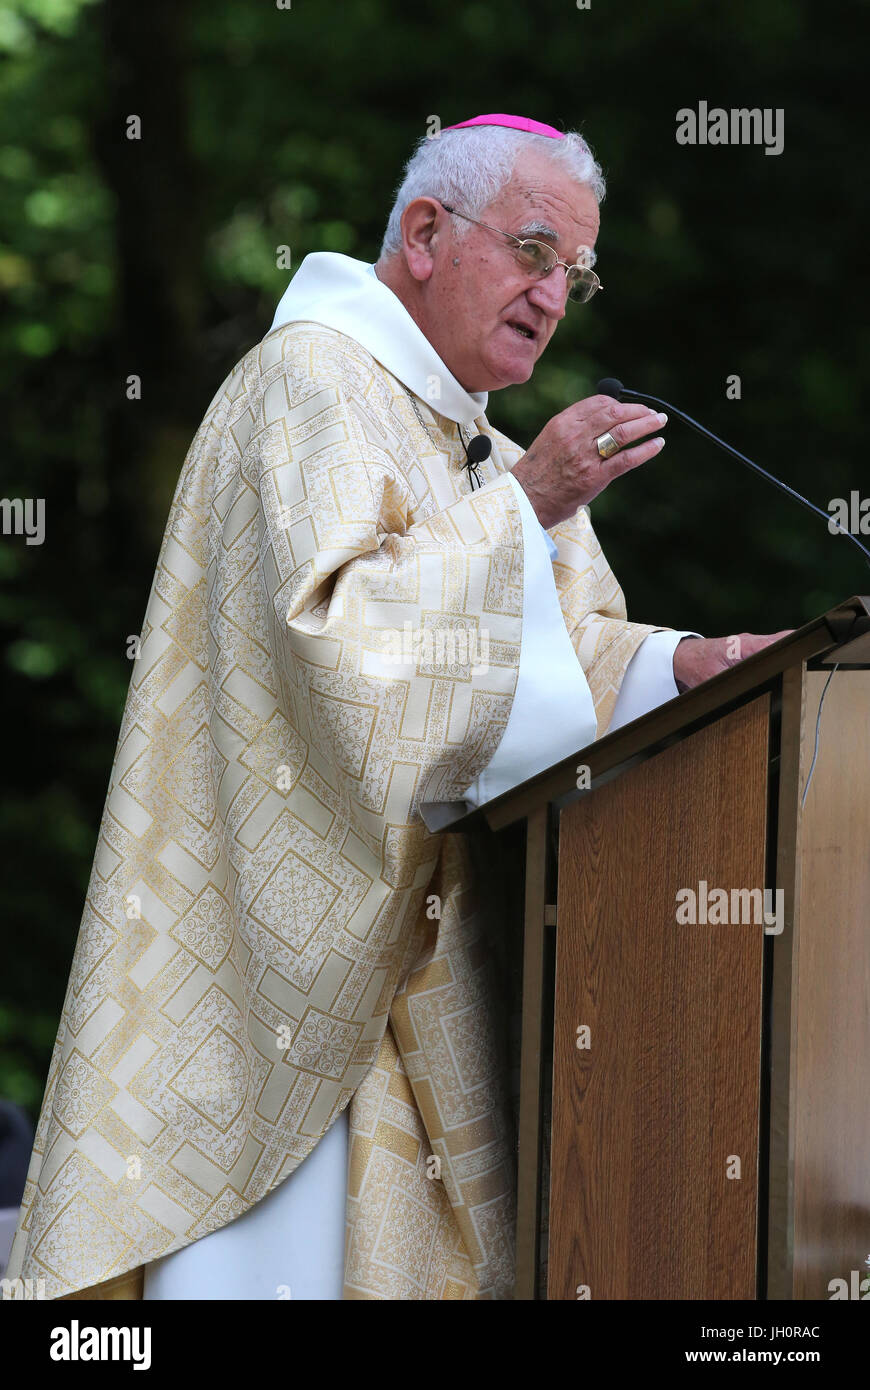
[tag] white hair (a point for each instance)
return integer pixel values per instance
(471, 166)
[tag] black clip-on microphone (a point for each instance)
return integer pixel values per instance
(477, 449)
(610, 386)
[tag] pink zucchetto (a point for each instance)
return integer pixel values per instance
(512, 123)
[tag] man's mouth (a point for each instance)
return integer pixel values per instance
(522, 328)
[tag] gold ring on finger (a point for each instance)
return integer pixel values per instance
(607, 445)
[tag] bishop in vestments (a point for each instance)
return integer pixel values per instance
(276, 1069)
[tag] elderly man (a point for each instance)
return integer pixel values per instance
(275, 1072)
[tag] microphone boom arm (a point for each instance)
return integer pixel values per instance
(756, 467)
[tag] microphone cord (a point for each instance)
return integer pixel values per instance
(470, 464)
(818, 732)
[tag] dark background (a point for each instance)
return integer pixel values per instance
(263, 127)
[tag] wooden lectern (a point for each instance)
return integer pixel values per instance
(693, 1113)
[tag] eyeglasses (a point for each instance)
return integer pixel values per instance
(539, 259)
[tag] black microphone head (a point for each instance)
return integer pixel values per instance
(610, 386)
(479, 448)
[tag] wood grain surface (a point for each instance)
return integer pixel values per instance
(648, 1119)
(830, 1081)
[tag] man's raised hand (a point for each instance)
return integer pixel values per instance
(562, 469)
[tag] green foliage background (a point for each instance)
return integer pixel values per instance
(265, 126)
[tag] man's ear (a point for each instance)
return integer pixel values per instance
(423, 222)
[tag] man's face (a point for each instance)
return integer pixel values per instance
(476, 310)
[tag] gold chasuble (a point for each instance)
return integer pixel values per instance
(259, 947)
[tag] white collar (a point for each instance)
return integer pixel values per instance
(346, 294)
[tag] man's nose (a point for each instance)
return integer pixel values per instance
(550, 294)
